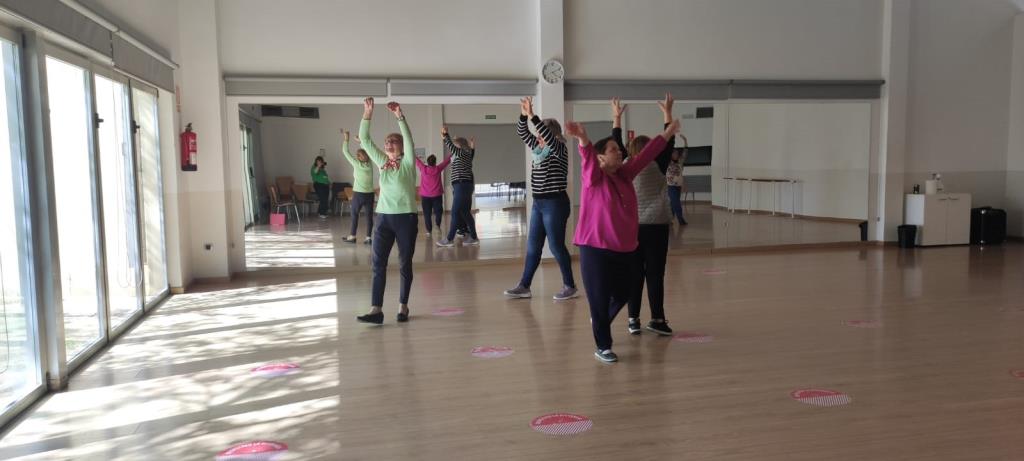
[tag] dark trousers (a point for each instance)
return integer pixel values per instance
(462, 209)
(547, 220)
(432, 206)
(650, 264)
(362, 200)
(323, 192)
(392, 228)
(677, 206)
(608, 280)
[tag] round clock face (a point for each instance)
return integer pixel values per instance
(553, 71)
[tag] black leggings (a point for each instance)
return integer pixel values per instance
(432, 206)
(323, 192)
(608, 279)
(650, 261)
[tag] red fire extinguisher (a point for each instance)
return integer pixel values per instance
(188, 150)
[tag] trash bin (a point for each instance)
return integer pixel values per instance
(863, 231)
(907, 235)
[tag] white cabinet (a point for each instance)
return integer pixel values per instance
(941, 219)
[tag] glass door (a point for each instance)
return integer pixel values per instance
(120, 217)
(71, 120)
(20, 372)
(147, 142)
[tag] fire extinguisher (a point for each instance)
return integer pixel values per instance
(188, 150)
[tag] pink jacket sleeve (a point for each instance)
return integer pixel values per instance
(636, 164)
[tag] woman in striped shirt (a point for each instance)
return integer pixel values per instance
(463, 183)
(551, 207)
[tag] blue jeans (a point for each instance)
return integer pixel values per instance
(677, 208)
(462, 210)
(547, 220)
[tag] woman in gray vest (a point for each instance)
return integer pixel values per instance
(653, 208)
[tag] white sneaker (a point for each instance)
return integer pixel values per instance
(444, 243)
(470, 241)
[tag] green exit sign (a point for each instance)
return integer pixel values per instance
(490, 117)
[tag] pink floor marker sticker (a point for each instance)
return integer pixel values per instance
(561, 424)
(449, 311)
(272, 370)
(491, 352)
(1019, 374)
(693, 337)
(863, 323)
(253, 451)
(714, 271)
(821, 397)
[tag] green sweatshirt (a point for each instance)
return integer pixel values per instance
(362, 172)
(397, 187)
(319, 177)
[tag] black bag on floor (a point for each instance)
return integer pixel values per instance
(988, 226)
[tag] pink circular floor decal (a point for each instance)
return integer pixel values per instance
(714, 271)
(449, 311)
(561, 424)
(1019, 374)
(821, 397)
(693, 337)
(253, 451)
(491, 352)
(863, 323)
(271, 370)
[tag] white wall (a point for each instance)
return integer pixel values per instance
(153, 22)
(455, 38)
(825, 146)
(803, 39)
(959, 96)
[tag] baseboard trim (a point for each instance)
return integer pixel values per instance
(800, 216)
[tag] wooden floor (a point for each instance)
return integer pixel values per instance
(928, 379)
(502, 230)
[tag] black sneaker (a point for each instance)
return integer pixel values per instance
(376, 319)
(606, 356)
(402, 318)
(660, 327)
(634, 326)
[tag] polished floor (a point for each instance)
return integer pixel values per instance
(502, 230)
(919, 346)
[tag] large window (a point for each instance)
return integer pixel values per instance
(151, 191)
(19, 362)
(120, 220)
(72, 168)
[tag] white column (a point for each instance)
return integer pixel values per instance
(550, 99)
(202, 105)
(1014, 197)
(885, 206)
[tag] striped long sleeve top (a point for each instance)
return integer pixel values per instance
(462, 162)
(547, 175)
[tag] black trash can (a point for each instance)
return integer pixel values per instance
(907, 234)
(863, 231)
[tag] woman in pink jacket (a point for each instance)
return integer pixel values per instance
(431, 191)
(607, 230)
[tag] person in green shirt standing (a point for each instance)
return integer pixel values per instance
(362, 189)
(397, 220)
(321, 183)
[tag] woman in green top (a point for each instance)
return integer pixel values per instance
(396, 209)
(321, 183)
(362, 188)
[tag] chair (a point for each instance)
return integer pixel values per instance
(284, 187)
(301, 198)
(342, 198)
(276, 203)
(336, 195)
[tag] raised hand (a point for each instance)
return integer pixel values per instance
(358, 140)
(666, 107)
(368, 108)
(526, 106)
(444, 130)
(618, 108)
(395, 108)
(576, 130)
(472, 142)
(345, 134)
